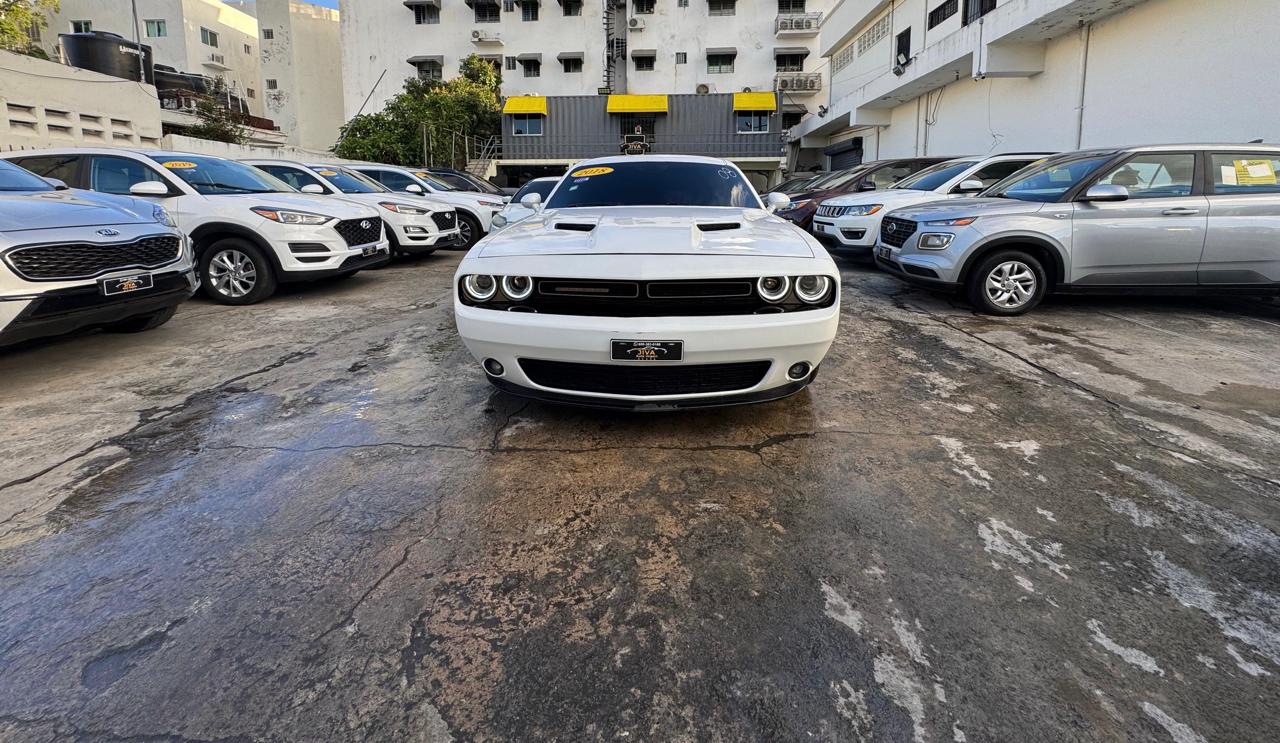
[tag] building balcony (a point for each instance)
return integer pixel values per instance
(796, 25)
(798, 83)
(217, 61)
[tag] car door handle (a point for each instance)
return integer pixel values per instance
(1180, 211)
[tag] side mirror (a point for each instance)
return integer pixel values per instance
(1106, 192)
(57, 184)
(531, 201)
(776, 201)
(972, 185)
(314, 188)
(414, 188)
(149, 188)
(867, 185)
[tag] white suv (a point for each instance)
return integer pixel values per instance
(849, 225)
(250, 230)
(475, 210)
(414, 226)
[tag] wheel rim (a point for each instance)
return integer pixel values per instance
(232, 273)
(464, 229)
(1011, 284)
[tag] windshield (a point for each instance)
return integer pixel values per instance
(348, 181)
(457, 181)
(13, 178)
(486, 185)
(213, 176)
(434, 182)
(657, 183)
(542, 188)
(836, 180)
(1047, 180)
(934, 176)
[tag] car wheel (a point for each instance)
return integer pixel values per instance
(1009, 282)
(233, 271)
(140, 323)
(469, 229)
(392, 242)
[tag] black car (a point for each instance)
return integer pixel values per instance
(865, 177)
(464, 181)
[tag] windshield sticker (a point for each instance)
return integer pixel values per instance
(588, 172)
(179, 165)
(327, 173)
(581, 180)
(1253, 173)
(423, 175)
(725, 173)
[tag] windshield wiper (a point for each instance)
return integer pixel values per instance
(230, 187)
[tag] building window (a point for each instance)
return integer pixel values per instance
(943, 12)
(752, 122)
(509, 6)
(644, 7)
(426, 14)
(791, 118)
(572, 65)
(208, 38)
(532, 67)
(526, 125)
(33, 33)
(873, 35)
(975, 9)
(789, 62)
(682, 58)
(430, 71)
(251, 92)
(902, 55)
(268, 33)
(157, 29)
(572, 7)
(645, 64)
(790, 6)
(82, 27)
(842, 58)
(719, 63)
(272, 83)
(248, 49)
(682, 3)
(722, 7)
(528, 10)
(486, 12)
(511, 63)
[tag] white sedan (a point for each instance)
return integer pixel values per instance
(650, 282)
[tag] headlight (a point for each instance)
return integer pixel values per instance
(161, 215)
(391, 206)
(480, 287)
(812, 289)
(499, 220)
(773, 288)
(934, 240)
(798, 205)
(498, 204)
(517, 287)
(959, 222)
(863, 210)
(286, 216)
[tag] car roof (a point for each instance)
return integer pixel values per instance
(652, 158)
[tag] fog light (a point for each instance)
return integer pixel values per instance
(935, 240)
(410, 229)
(494, 368)
(798, 371)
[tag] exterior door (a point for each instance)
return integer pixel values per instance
(1155, 238)
(1243, 246)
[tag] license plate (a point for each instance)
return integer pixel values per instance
(127, 284)
(647, 350)
(883, 252)
(369, 250)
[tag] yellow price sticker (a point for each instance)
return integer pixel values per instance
(327, 173)
(179, 165)
(588, 172)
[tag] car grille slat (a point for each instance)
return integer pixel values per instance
(355, 231)
(895, 231)
(645, 380)
(69, 261)
(445, 220)
(834, 211)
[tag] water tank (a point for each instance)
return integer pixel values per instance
(110, 54)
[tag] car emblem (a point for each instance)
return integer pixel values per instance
(892, 228)
(366, 224)
(108, 232)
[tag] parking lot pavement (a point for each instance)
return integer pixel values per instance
(312, 519)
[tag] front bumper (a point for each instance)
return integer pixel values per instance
(419, 235)
(847, 235)
(306, 252)
(780, 339)
(932, 270)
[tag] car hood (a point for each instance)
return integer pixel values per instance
(958, 208)
(890, 197)
(339, 207)
(72, 208)
(650, 230)
(465, 198)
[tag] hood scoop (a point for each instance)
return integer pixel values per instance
(575, 226)
(719, 226)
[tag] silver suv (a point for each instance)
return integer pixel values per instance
(74, 259)
(1176, 219)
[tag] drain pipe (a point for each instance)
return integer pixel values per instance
(1085, 29)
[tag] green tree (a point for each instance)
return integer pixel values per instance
(441, 111)
(214, 119)
(17, 18)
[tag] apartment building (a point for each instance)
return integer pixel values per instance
(204, 37)
(301, 71)
(924, 77)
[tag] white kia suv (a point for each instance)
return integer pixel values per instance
(475, 210)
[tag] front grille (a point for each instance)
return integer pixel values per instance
(360, 231)
(664, 298)
(834, 211)
(66, 261)
(445, 220)
(622, 379)
(894, 231)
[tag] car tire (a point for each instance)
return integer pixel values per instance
(1007, 283)
(141, 323)
(392, 243)
(234, 271)
(469, 226)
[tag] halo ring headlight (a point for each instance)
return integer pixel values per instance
(813, 289)
(480, 287)
(773, 288)
(517, 288)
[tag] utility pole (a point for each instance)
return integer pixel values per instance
(137, 39)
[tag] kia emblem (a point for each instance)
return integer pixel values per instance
(108, 232)
(366, 224)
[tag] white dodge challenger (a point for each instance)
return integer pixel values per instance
(649, 282)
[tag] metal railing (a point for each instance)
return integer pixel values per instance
(798, 82)
(796, 22)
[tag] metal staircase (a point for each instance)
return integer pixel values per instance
(613, 17)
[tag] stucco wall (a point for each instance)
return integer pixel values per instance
(305, 61)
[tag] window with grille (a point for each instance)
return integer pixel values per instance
(789, 62)
(486, 12)
(248, 49)
(268, 33)
(272, 83)
(644, 7)
(527, 125)
(752, 122)
(682, 58)
(157, 29)
(572, 7)
(791, 118)
(682, 3)
(426, 14)
(872, 36)
(719, 63)
(509, 6)
(975, 9)
(528, 11)
(511, 63)
(843, 58)
(532, 67)
(572, 65)
(430, 71)
(943, 12)
(722, 7)
(790, 6)
(644, 64)
(81, 27)
(208, 38)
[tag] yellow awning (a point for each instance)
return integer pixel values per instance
(755, 102)
(525, 104)
(637, 104)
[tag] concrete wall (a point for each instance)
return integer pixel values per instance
(305, 61)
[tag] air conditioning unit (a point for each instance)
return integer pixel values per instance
(784, 83)
(803, 23)
(635, 24)
(812, 83)
(703, 89)
(478, 35)
(217, 58)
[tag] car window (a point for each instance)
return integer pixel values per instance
(1245, 172)
(433, 181)
(349, 181)
(110, 174)
(294, 176)
(996, 172)
(1049, 180)
(14, 178)
(656, 183)
(456, 181)
(62, 167)
(542, 188)
(831, 180)
(214, 176)
(487, 186)
(887, 176)
(934, 176)
(391, 179)
(1154, 176)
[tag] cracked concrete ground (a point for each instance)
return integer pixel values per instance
(313, 520)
